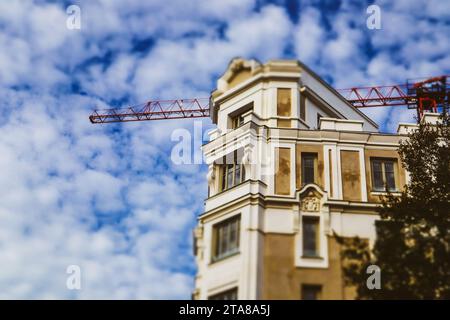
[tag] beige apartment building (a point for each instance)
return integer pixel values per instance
(291, 162)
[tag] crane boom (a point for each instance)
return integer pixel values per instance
(377, 96)
(425, 95)
(154, 110)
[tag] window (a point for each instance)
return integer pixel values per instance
(237, 117)
(237, 121)
(311, 292)
(226, 295)
(310, 236)
(226, 238)
(231, 174)
(383, 174)
(309, 167)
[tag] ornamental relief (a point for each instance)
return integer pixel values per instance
(310, 203)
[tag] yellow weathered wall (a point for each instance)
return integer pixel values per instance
(283, 171)
(239, 77)
(351, 175)
(283, 280)
(284, 102)
(284, 123)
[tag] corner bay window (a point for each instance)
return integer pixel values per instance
(310, 236)
(226, 238)
(309, 167)
(383, 174)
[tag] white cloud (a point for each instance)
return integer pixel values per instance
(58, 203)
(15, 61)
(262, 35)
(309, 36)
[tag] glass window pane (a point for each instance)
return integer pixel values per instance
(237, 175)
(227, 295)
(390, 177)
(230, 176)
(238, 231)
(223, 240)
(311, 292)
(237, 121)
(308, 163)
(226, 237)
(233, 236)
(224, 177)
(310, 236)
(378, 183)
(218, 242)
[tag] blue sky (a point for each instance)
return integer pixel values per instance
(108, 198)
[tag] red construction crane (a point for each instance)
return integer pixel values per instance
(424, 95)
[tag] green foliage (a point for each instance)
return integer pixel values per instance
(412, 247)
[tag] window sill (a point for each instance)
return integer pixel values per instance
(233, 187)
(383, 192)
(311, 257)
(237, 127)
(315, 262)
(224, 257)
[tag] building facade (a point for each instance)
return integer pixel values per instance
(290, 163)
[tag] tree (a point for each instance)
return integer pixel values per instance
(412, 246)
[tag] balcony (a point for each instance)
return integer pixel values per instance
(235, 194)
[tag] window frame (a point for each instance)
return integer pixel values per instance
(383, 162)
(226, 169)
(218, 229)
(236, 118)
(315, 287)
(219, 296)
(237, 121)
(317, 253)
(314, 156)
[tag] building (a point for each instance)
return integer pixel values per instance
(290, 162)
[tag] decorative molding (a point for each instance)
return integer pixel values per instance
(310, 203)
(236, 65)
(247, 157)
(211, 175)
(327, 223)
